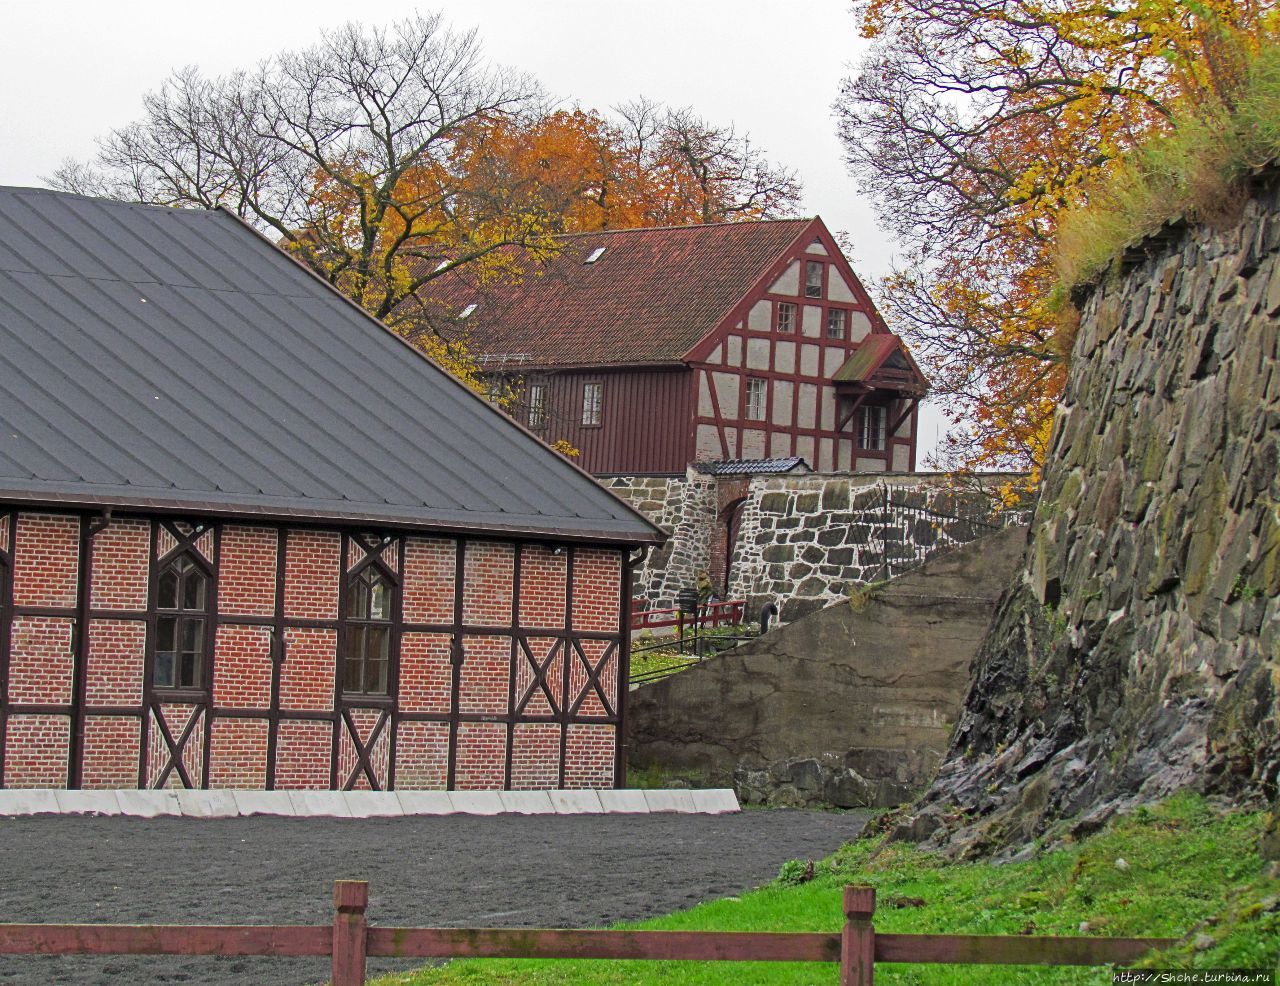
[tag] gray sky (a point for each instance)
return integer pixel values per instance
(72, 70)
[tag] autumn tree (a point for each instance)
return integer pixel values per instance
(974, 125)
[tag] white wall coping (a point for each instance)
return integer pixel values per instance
(15, 802)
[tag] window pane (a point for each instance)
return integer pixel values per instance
(167, 596)
(380, 601)
(358, 599)
(375, 678)
(592, 403)
(193, 635)
(812, 279)
(377, 643)
(835, 323)
(162, 676)
(786, 317)
(167, 633)
(351, 679)
(193, 585)
(189, 676)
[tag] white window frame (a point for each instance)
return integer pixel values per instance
(844, 323)
(872, 436)
(757, 398)
(537, 406)
(791, 311)
(813, 290)
(592, 404)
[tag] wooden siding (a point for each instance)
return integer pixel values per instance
(646, 421)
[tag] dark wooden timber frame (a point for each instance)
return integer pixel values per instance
(174, 737)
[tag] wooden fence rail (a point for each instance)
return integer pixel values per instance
(349, 941)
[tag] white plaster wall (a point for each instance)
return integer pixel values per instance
(837, 289)
(817, 249)
(868, 465)
(757, 354)
(779, 445)
(807, 406)
(782, 400)
(809, 360)
(705, 409)
(789, 282)
(760, 318)
(859, 326)
(826, 456)
(904, 429)
(731, 443)
(827, 408)
(804, 448)
(811, 323)
(716, 355)
(832, 359)
(752, 444)
(726, 385)
(735, 351)
(901, 458)
(784, 357)
(844, 455)
(708, 444)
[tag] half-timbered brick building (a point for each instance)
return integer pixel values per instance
(249, 538)
(648, 349)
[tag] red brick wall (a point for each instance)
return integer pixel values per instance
(246, 672)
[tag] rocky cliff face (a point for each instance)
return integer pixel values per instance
(1138, 650)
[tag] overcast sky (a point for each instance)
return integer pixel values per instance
(72, 70)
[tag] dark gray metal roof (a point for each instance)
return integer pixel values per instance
(173, 359)
(752, 467)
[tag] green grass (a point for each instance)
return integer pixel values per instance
(1194, 171)
(662, 658)
(1189, 870)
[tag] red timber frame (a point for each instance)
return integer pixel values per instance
(845, 412)
(581, 678)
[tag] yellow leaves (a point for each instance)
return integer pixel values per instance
(565, 447)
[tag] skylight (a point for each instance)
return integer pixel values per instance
(440, 266)
(466, 312)
(595, 255)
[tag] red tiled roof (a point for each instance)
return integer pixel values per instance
(649, 298)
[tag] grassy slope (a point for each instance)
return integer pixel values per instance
(1189, 870)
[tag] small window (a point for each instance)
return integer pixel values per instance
(592, 403)
(182, 608)
(468, 311)
(812, 279)
(786, 317)
(756, 390)
(367, 651)
(537, 405)
(872, 437)
(595, 255)
(835, 323)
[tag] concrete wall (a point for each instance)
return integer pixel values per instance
(846, 706)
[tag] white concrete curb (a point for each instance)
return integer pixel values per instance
(362, 804)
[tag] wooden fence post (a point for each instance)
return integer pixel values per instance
(858, 942)
(350, 932)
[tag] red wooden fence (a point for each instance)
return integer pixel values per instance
(349, 941)
(709, 615)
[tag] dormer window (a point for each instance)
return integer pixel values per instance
(812, 279)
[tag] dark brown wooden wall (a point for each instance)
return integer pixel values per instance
(646, 426)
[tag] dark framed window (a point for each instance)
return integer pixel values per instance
(592, 403)
(182, 620)
(813, 278)
(757, 387)
(537, 405)
(873, 427)
(366, 651)
(836, 319)
(786, 317)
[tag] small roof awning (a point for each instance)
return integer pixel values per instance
(881, 363)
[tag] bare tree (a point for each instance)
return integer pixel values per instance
(341, 151)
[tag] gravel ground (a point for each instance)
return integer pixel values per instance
(501, 871)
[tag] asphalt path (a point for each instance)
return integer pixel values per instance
(452, 870)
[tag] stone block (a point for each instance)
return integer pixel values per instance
(28, 802)
(426, 802)
(208, 804)
(263, 803)
(715, 801)
(624, 801)
(87, 802)
(374, 804)
(309, 804)
(576, 802)
(148, 804)
(669, 800)
(774, 503)
(477, 802)
(527, 803)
